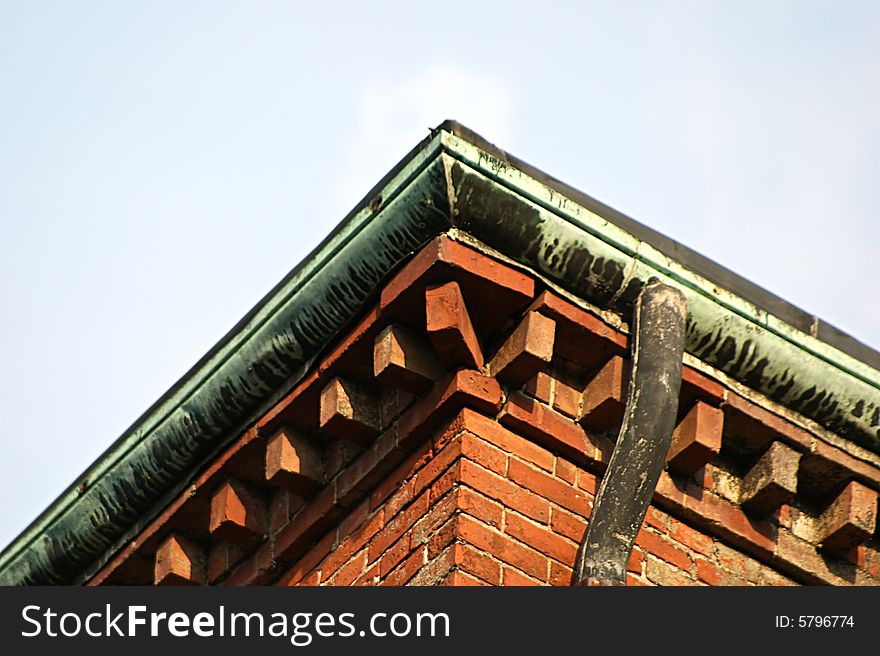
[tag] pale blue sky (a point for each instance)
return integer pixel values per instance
(163, 164)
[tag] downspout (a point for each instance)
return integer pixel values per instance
(643, 442)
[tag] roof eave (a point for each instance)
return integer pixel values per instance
(263, 356)
(453, 179)
(598, 261)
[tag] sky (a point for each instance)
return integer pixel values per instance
(164, 164)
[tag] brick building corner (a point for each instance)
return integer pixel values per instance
(433, 396)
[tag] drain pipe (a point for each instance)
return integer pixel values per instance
(643, 442)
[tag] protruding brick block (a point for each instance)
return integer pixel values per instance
(528, 349)
(236, 514)
(495, 290)
(772, 481)
(547, 427)
(349, 411)
(222, 558)
(179, 562)
(581, 337)
(697, 439)
(850, 519)
(449, 326)
(401, 359)
(604, 398)
(293, 462)
(567, 399)
(541, 387)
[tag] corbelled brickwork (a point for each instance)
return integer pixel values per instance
(457, 435)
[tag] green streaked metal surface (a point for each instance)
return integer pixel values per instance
(156, 458)
(447, 181)
(598, 225)
(744, 342)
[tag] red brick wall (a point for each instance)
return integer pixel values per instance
(457, 434)
(481, 505)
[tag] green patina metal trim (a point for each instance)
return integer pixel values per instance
(609, 273)
(268, 351)
(447, 181)
(551, 200)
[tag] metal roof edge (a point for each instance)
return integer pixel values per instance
(594, 258)
(270, 348)
(452, 179)
(783, 310)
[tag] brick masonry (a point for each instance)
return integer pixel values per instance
(457, 435)
(482, 505)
